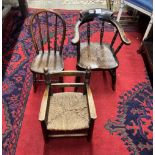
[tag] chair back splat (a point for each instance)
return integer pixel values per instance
(48, 31)
(99, 55)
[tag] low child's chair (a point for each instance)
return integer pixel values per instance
(67, 113)
(48, 30)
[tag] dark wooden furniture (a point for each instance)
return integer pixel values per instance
(48, 31)
(147, 54)
(98, 55)
(23, 6)
(67, 113)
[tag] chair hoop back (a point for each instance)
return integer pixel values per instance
(48, 31)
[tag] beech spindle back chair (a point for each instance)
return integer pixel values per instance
(48, 31)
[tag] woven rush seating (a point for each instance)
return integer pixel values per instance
(66, 110)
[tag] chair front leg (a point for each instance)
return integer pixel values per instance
(90, 130)
(44, 131)
(34, 82)
(113, 76)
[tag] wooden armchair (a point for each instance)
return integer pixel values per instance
(98, 55)
(48, 31)
(67, 113)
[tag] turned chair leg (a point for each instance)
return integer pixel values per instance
(34, 82)
(113, 76)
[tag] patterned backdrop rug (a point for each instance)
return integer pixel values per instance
(133, 122)
(134, 119)
(18, 53)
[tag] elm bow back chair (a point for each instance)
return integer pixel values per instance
(143, 6)
(65, 114)
(98, 55)
(48, 31)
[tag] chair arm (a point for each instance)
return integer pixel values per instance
(76, 38)
(43, 107)
(123, 37)
(91, 104)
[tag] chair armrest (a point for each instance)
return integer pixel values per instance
(43, 107)
(76, 38)
(123, 37)
(91, 104)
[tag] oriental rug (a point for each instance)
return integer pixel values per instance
(124, 124)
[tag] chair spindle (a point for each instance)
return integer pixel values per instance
(63, 36)
(55, 39)
(48, 37)
(88, 33)
(34, 41)
(102, 33)
(41, 39)
(118, 48)
(114, 38)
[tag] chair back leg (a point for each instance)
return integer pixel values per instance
(113, 76)
(61, 81)
(34, 82)
(77, 80)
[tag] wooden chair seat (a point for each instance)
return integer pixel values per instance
(97, 56)
(51, 60)
(68, 111)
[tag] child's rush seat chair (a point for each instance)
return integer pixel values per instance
(48, 31)
(144, 6)
(99, 55)
(65, 114)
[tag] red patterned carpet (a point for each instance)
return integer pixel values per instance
(124, 123)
